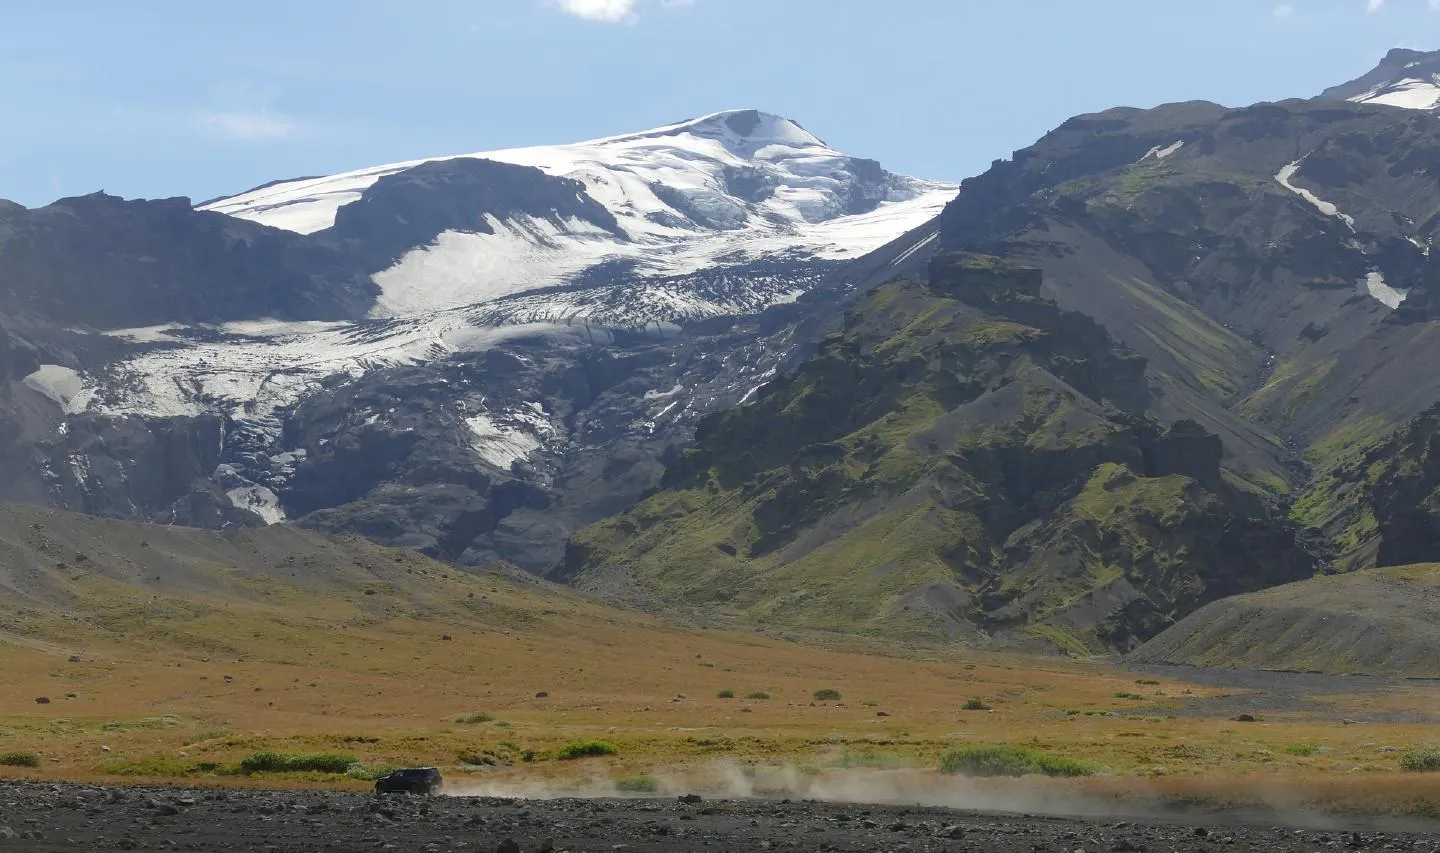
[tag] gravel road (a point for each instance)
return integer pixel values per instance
(42, 817)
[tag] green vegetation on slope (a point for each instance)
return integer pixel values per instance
(964, 460)
(1375, 496)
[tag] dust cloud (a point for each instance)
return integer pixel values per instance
(1268, 803)
(725, 780)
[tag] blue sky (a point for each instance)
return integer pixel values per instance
(178, 97)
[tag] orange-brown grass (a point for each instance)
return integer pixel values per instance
(183, 686)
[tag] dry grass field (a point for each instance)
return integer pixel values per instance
(491, 677)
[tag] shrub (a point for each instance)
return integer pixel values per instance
(1150, 682)
(1421, 761)
(19, 759)
(1010, 761)
(475, 718)
(725, 694)
(637, 785)
(975, 705)
(1302, 749)
(586, 749)
(283, 762)
(758, 694)
(1123, 695)
(827, 695)
(369, 772)
(157, 767)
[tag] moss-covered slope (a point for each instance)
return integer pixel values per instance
(1378, 502)
(965, 460)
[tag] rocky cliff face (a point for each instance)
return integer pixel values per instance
(964, 460)
(108, 263)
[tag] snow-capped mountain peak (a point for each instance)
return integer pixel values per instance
(723, 191)
(1404, 78)
(740, 128)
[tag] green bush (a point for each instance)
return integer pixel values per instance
(758, 694)
(1302, 749)
(1124, 695)
(827, 695)
(369, 772)
(637, 785)
(586, 749)
(475, 718)
(725, 694)
(1010, 761)
(1421, 761)
(19, 759)
(975, 705)
(284, 762)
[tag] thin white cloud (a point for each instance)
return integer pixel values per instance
(618, 11)
(246, 125)
(1286, 11)
(608, 11)
(1374, 6)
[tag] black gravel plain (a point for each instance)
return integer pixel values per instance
(44, 817)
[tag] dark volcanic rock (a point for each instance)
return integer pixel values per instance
(303, 821)
(109, 263)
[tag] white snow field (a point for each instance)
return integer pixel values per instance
(667, 187)
(468, 292)
(1410, 93)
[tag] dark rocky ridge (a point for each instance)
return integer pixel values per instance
(411, 208)
(1248, 302)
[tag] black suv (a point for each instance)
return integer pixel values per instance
(414, 780)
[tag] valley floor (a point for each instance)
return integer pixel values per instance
(492, 678)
